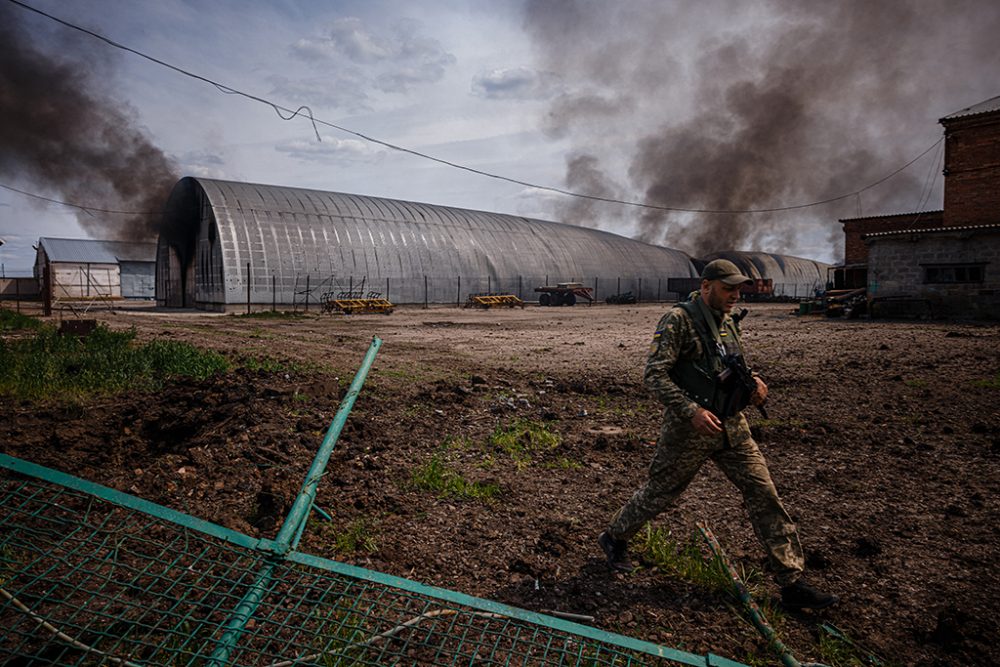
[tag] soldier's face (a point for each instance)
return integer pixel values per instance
(719, 295)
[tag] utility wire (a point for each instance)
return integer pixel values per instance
(88, 209)
(281, 111)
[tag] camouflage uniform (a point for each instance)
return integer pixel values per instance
(681, 451)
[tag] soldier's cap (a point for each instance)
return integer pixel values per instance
(724, 270)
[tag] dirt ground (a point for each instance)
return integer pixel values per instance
(883, 439)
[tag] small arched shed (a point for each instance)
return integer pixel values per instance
(224, 243)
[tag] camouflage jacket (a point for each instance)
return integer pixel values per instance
(677, 339)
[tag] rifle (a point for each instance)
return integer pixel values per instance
(739, 386)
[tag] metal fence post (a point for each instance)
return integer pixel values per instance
(425, 292)
(248, 288)
(307, 292)
(519, 288)
(658, 281)
(458, 295)
(274, 292)
(595, 289)
(387, 289)
(638, 296)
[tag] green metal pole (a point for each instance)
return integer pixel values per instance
(291, 530)
(756, 616)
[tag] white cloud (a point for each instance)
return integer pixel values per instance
(346, 37)
(331, 149)
(517, 83)
(345, 90)
(392, 61)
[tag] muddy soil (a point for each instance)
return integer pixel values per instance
(883, 439)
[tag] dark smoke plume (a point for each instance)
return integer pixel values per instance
(721, 105)
(63, 132)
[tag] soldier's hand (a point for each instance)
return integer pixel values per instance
(760, 395)
(706, 423)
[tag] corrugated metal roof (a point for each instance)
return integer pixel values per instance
(286, 233)
(784, 270)
(935, 230)
(992, 104)
(914, 214)
(96, 251)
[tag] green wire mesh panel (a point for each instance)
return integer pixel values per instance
(91, 576)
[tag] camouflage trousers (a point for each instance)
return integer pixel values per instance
(680, 454)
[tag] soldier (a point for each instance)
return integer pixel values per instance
(685, 359)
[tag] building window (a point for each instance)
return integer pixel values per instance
(953, 273)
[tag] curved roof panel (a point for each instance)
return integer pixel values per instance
(215, 229)
(793, 276)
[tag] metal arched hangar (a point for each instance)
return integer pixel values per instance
(226, 243)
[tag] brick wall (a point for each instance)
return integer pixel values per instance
(972, 170)
(896, 269)
(855, 250)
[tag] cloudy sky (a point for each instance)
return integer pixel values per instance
(713, 105)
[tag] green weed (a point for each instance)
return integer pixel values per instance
(48, 365)
(13, 321)
(260, 334)
(836, 649)
(684, 560)
(523, 438)
(437, 476)
(264, 363)
(344, 646)
(564, 463)
(356, 536)
(990, 383)
(916, 384)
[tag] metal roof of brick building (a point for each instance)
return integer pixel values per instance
(992, 104)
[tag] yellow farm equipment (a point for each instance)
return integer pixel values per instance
(349, 306)
(493, 301)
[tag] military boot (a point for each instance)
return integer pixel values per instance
(616, 551)
(800, 595)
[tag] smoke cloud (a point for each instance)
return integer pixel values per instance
(734, 106)
(63, 132)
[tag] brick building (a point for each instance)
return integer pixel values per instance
(944, 262)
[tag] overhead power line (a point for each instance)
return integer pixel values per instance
(79, 206)
(287, 114)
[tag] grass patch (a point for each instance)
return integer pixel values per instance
(343, 642)
(268, 364)
(260, 334)
(684, 560)
(13, 321)
(916, 384)
(523, 438)
(563, 463)
(437, 476)
(836, 649)
(356, 536)
(990, 383)
(49, 365)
